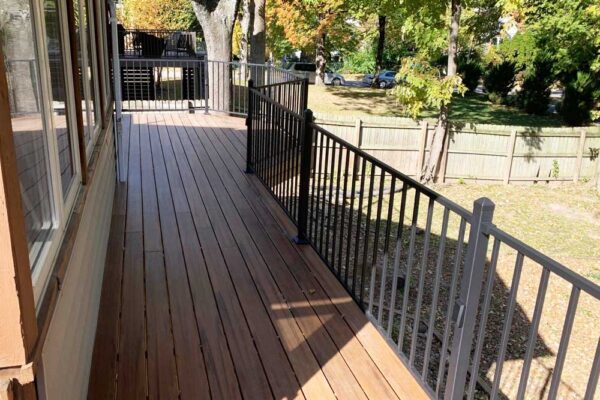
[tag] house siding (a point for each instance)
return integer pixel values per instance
(67, 351)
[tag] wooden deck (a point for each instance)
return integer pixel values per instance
(205, 296)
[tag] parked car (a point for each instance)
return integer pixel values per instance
(387, 79)
(309, 70)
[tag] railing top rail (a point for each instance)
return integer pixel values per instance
(297, 80)
(552, 265)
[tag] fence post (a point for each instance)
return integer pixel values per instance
(465, 311)
(304, 190)
(444, 161)
(509, 156)
(249, 133)
(422, 147)
(579, 160)
(598, 173)
(358, 137)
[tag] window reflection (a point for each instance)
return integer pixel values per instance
(59, 106)
(31, 145)
(86, 72)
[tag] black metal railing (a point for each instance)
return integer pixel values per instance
(420, 266)
(144, 43)
(161, 84)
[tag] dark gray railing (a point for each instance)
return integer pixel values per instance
(159, 43)
(164, 84)
(421, 266)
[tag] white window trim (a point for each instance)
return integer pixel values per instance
(62, 205)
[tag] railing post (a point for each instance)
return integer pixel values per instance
(304, 190)
(249, 168)
(465, 310)
(305, 94)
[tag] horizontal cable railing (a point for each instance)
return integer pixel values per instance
(462, 314)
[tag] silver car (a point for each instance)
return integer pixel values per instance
(309, 71)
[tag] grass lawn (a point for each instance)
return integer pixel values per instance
(562, 222)
(475, 109)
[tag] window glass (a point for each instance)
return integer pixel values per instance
(59, 90)
(88, 9)
(31, 142)
(85, 68)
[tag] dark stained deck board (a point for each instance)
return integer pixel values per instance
(396, 373)
(204, 294)
(361, 365)
(275, 363)
(253, 382)
(161, 367)
(336, 370)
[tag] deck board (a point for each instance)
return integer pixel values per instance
(205, 296)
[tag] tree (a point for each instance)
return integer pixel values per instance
(307, 25)
(246, 27)
(441, 128)
(424, 86)
(258, 39)
(217, 18)
(159, 14)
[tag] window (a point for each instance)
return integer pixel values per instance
(88, 72)
(54, 44)
(27, 117)
(34, 41)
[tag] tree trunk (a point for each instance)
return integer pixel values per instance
(321, 61)
(441, 130)
(217, 18)
(246, 22)
(380, 48)
(258, 45)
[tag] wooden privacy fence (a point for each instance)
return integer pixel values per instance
(483, 153)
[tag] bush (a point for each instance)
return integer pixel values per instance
(578, 101)
(500, 78)
(471, 72)
(535, 93)
(360, 62)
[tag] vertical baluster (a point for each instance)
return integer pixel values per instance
(323, 230)
(329, 203)
(397, 252)
(436, 292)
(450, 310)
(594, 375)
(510, 309)
(366, 238)
(344, 196)
(350, 219)
(564, 343)
(411, 247)
(421, 287)
(336, 208)
(533, 332)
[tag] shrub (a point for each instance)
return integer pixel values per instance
(360, 62)
(471, 72)
(535, 93)
(578, 101)
(500, 78)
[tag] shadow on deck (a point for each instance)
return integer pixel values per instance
(205, 296)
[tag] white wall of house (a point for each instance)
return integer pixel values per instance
(67, 352)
